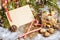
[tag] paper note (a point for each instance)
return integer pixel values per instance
(21, 16)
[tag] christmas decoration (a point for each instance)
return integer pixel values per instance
(46, 14)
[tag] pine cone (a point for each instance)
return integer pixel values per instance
(13, 28)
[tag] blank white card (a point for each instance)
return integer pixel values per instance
(21, 16)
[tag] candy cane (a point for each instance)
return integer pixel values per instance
(29, 32)
(31, 25)
(6, 9)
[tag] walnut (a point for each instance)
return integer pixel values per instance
(46, 34)
(42, 30)
(57, 26)
(48, 26)
(51, 30)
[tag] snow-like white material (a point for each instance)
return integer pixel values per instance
(5, 34)
(55, 36)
